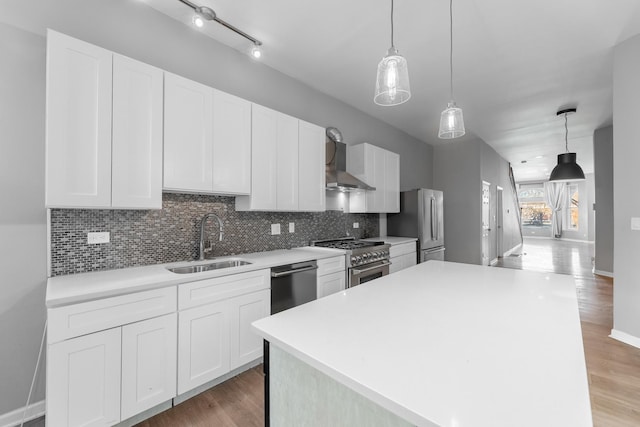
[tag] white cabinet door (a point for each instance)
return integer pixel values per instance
(83, 380)
(402, 261)
(287, 169)
(203, 345)
(137, 135)
(246, 345)
(78, 129)
(311, 167)
(148, 364)
(264, 137)
(231, 144)
(331, 283)
(379, 168)
(188, 135)
(391, 182)
(375, 158)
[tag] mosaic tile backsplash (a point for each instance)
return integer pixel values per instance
(171, 234)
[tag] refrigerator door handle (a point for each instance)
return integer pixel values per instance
(434, 227)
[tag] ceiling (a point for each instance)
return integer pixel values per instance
(515, 63)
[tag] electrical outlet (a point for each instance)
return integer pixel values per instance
(356, 225)
(95, 238)
(292, 227)
(635, 224)
(275, 229)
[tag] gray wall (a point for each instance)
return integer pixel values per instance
(603, 166)
(626, 176)
(133, 29)
(495, 170)
(459, 167)
(22, 216)
(456, 171)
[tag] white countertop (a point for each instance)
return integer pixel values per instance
(447, 344)
(392, 240)
(75, 288)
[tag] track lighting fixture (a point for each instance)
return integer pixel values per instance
(204, 13)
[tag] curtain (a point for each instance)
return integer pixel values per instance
(555, 195)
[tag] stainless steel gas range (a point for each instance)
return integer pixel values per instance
(365, 260)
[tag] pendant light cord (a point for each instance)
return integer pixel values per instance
(392, 45)
(451, 46)
(566, 134)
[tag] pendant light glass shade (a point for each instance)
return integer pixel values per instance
(392, 83)
(567, 169)
(451, 122)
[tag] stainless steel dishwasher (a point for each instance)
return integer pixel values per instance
(293, 285)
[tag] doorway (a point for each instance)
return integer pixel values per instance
(486, 229)
(499, 219)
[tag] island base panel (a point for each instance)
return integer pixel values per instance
(302, 395)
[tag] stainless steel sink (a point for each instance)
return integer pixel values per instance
(208, 267)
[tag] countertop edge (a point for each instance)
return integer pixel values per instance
(84, 287)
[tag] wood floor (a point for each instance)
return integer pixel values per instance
(613, 367)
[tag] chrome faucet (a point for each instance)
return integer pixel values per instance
(202, 224)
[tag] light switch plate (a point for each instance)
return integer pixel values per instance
(292, 227)
(95, 238)
(356, 225)
(275, 229)
(635, 223)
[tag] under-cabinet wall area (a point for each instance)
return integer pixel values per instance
(144, 237)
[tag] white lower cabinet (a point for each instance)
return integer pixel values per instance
(215, 338)
(83, 380)
(246, 345)
(203, 345)
(331, 275)
(402, 255)
(148, 364)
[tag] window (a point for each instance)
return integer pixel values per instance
(572, 212)
(536, 215)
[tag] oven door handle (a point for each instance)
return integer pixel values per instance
(356, 271)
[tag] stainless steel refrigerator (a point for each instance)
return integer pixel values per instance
(421, 216)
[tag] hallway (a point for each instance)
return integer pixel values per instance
(613, 367)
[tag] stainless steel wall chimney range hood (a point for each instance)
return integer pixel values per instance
(337, 176)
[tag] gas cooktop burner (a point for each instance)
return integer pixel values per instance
(359, 252)
(346, 243)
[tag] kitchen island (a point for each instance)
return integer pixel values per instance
(437, 344)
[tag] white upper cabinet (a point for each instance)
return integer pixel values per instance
(104, 128)
(231, 144)
(379, 168)
(78, 129)
(264, 161)
(137, 135)
(188, 135)
(207, 139)
(287, 171)
(288, 167)
(311, 167)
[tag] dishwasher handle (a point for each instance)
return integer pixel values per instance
(292, 271)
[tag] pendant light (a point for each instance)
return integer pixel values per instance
(392, 83)
(567, 169)
(451, 121)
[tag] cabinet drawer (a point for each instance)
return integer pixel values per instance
(211, 290)
(402, 249)
(84, 318)
(331, 265)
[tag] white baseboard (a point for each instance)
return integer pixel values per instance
(625, 338)
(603, 273)
(512, 250)
(13, 418)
